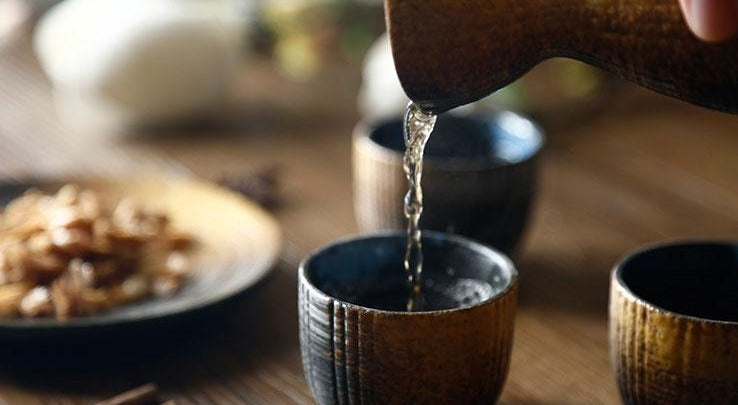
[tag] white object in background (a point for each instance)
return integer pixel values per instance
(143, 61)
(381, 96)
(13, 16)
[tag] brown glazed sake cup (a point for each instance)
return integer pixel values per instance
(674, 324)
(479, 176)
(359, 345)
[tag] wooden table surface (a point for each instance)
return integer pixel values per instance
(647, 169)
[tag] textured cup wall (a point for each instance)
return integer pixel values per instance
(357, 355)
(662, 357)
(489, 202)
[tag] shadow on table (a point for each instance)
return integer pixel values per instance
(215, 345)
(581, 287)
(529, 402)
(240, 122)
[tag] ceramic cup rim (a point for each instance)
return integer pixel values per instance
(364, 128)
(617, 276)
(500, 258)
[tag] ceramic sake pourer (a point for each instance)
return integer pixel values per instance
(479, 177)
(355, 352)
(449, 53)
(674, 324)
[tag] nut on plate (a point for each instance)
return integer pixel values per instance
(68, 254)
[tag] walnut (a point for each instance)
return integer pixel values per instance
(69, 255)
(10, 298)
(73, 242)
(36, 302)
(67, 217)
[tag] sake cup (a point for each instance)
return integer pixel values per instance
(360, 346)
(674, 324)
(479, 176)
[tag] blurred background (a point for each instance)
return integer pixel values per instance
(262, 96)
(158, 63)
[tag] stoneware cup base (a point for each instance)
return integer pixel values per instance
(369, 354)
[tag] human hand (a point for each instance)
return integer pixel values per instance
(711, 20)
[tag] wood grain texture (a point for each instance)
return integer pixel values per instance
(648, 168)
(450, 52)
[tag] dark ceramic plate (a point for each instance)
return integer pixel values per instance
(238, 243)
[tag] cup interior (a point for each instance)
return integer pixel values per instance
(368, 272)
(693, 279)
(500, 139)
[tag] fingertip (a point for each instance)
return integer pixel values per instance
(712, 20)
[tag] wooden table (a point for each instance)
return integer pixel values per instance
(648, 169)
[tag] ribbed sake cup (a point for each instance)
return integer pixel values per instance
(479, 176)
(674, 324)
(359, 345)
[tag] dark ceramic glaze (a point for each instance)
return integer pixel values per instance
(674, 324)
(359, 355)
(479, 177)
